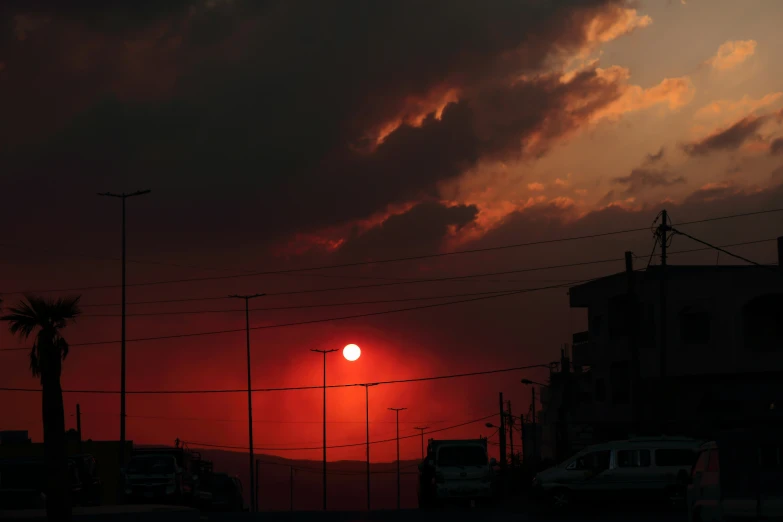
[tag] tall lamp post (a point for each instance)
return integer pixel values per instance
(123, 196)
(422, 439)
(324, 352)
(530, 383)
(397, 412)
(253, 499)
(367, 412)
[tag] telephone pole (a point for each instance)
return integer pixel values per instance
(663, 228)
(510, 432)
(253, 499)
(367, 413)
(324, 352)
(123, 196)
(422, 439)
(397, 412)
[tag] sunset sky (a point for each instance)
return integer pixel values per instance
(290, 134)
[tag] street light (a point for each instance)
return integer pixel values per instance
(367, 411)
(397, 411)
(123, 196)
(324, 479)
(253, 482)
(422, 439)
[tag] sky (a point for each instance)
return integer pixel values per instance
(283, 135)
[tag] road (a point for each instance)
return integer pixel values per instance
(475, 515)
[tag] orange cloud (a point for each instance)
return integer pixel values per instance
(416, 109)
(535, 187)
(614, 23)
(732, 53)
(737, 108)
(675, 92)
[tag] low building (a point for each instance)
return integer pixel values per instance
(722, 355)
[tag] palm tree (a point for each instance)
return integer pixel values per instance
(47, 317)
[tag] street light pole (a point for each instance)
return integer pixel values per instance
(397, 412)
(367, 412)
(123, 196)
(247, 298)
(422, 439)
(324, 447)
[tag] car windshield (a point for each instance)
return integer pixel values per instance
(152, 465)
(462, 456)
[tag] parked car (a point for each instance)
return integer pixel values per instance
(737, 477)
(23, 483)
(221, 492)
(640, 469)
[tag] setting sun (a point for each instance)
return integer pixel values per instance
(352, 352)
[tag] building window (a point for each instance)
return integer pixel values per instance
(619, 316)
(595, 325)
(762, 322)
(600, 390)
(695, 326)
(621, 382)
(633, 458)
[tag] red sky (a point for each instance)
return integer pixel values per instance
(301, 135)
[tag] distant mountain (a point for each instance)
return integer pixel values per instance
(346, 482)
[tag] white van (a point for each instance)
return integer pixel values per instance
(456, 471)
(739, 476)
(640, 467)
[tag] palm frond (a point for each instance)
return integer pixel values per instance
(22, 319)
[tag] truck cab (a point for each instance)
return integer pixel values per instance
(456, 471)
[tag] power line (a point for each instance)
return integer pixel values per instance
(374, 285)
(196, 444)
(719, 249)
(401, 259)
(380, 301)
(211, 419)
(314, 321)
(294, 388)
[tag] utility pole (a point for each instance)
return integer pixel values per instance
(123, 196)
(247, 298)
(79, 422)
(663, 228)
(533, 423)
(511, 433)
(254, 496)
(367, 413)
(324, 352)
(422, 439)
(633, 326)
(397, 412)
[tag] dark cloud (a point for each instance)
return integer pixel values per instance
(419, 230)
(776, 146)
(654, 158)
(270, 106)
(730, 138)
(641, 179)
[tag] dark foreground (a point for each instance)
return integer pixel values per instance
(173, 514)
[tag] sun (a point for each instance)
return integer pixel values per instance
(352, 352)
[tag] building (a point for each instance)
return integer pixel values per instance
(722, 356)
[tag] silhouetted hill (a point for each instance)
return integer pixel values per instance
(346, 481)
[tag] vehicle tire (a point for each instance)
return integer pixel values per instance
(561, 499)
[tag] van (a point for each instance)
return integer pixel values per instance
(456, 471)
(644, 468)
(738, 476)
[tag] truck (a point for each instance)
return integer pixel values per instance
(456, 471)
(738, 476)
(164, 475)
